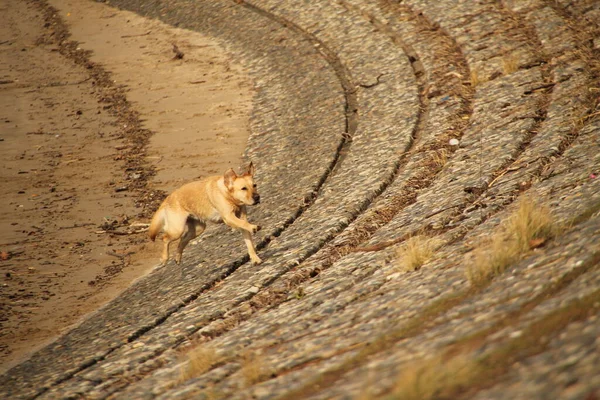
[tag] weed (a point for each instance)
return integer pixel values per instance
(491, 260)
(439, 158)
(414, 252)
(531, 223)
(200, 360)
(382, 342)
(430, 379)
(509, 64)
(476, 79)
(457, 369)
(253, 369)
(530, 226)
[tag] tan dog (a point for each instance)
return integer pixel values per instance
(185, 212)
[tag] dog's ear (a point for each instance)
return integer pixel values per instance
(250, 169)
(229, 177)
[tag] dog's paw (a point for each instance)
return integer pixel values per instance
(256, 261)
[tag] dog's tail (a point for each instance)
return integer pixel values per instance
(157, 223)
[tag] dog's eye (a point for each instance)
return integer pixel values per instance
(244, 188)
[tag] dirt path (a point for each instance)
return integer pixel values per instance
(78, 173)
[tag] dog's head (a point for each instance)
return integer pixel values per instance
(242, 187)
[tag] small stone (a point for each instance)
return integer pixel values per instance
(453, 142)
(393, 276)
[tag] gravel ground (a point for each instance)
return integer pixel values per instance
(355, 105)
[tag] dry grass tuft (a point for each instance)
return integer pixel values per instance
(476, 79)
(509, 64)
(254, 369)
(463, 365)
(414, 252)
(491, 260)
(434, 378)
(530, 226)
(439, 158)
(200, 360)
(531, 223)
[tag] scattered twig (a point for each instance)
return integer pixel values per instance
(121, 256)
(509, 169)
(440, 211)
(76, 225)
(144, 224)
(544, 86)
(119, 233)
(590, 116)
(370, 85)
(139, 34)
(382, 245)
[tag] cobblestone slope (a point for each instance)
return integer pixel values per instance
(355, 105)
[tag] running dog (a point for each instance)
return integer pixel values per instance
(185, 212)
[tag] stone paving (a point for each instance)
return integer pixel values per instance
(355, 105)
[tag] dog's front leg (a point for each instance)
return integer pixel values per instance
(248, 239)
(250, 245)
(237, 223)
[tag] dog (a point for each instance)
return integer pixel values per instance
(185, 212)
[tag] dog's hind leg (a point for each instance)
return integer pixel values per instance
(173, 228)
(193, 229)
(165, 253)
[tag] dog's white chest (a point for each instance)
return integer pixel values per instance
(214, 216)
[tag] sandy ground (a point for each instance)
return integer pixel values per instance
(78, 181)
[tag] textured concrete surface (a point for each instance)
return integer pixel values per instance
(356, 102)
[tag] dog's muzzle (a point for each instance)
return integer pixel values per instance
(256, 198)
